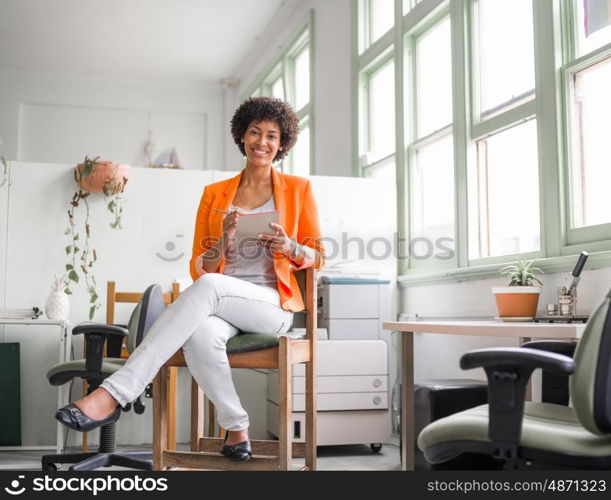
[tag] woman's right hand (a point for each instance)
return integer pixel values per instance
(230, 224)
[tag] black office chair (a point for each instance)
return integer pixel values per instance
(531, 435)
(95, 368)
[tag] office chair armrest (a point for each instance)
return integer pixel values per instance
(566, 347)
(100, 329)
(522, 357)
(96, 335)
(508, 371)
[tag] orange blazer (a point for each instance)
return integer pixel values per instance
(298, 216)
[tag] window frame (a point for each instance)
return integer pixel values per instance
(595, 236)
(283, 67)
(554, 49)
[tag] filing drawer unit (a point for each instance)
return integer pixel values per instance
(353, 308)
(352, 394)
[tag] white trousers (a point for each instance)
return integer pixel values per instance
(205, 316)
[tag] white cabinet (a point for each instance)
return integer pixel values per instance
(352, 394)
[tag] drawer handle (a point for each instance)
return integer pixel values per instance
(377, 400)
(377, 382)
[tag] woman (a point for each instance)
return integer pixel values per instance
(233, 290)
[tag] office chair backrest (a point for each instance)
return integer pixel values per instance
(144, 315)
(591, 382)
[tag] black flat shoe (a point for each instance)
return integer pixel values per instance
(71, 416)
(237, 452)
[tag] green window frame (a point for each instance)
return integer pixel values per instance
(554, 49)
(283, 68)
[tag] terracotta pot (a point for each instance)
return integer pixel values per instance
(106, 176)
(517, 301)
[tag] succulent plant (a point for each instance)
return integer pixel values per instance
(521, 273)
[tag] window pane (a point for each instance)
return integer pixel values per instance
(382, 111)
(433, 198)
(302, 78)
(591, 174)
(434, 55)
(593, 25)
(504, 194)
(278, 89)
(382, 18)
(300, 163)
(384, 170)
(506, 52)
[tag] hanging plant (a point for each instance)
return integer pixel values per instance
(92, 176)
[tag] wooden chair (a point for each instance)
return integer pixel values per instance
(265, 351)
(113, 297)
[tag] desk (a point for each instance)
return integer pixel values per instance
(522, 331)
(65, 343)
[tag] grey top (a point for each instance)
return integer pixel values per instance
(253, 263)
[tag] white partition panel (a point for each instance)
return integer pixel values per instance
(154, 246)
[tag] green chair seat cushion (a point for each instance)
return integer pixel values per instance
(246, 342)
(546, 426)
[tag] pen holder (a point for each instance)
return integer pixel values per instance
(567, 305)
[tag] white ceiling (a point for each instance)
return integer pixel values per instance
(185, 40)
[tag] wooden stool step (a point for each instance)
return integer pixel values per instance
(216, 461)
(259, 447)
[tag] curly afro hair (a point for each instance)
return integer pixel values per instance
(259, 109)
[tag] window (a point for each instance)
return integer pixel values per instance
(432, 197)
(380, 90)
(434, 79)
(593, 26)
(500, 110)
(277, 89)
(591, 175)
(300, 161)
(289, 79)
(376, 18)
(505, 46)
(504, 194)
(430, 157)
(503, 175)
(302, 78)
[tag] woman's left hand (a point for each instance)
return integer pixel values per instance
(279, 243)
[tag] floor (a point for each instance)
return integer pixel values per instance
(348, 457)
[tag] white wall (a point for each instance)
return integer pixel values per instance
(60, 118)
(332, 88)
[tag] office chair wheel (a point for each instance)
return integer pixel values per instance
(49, 468)
(375, 447)
(139, 407)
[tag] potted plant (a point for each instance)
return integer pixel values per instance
(92, 176)
(519, 299)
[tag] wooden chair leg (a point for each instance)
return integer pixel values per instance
(172, 383)
(310, 431)
(197, 415)
(160, 416)
(285, 373)
(210, 419)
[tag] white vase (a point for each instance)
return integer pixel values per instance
(57, 306)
